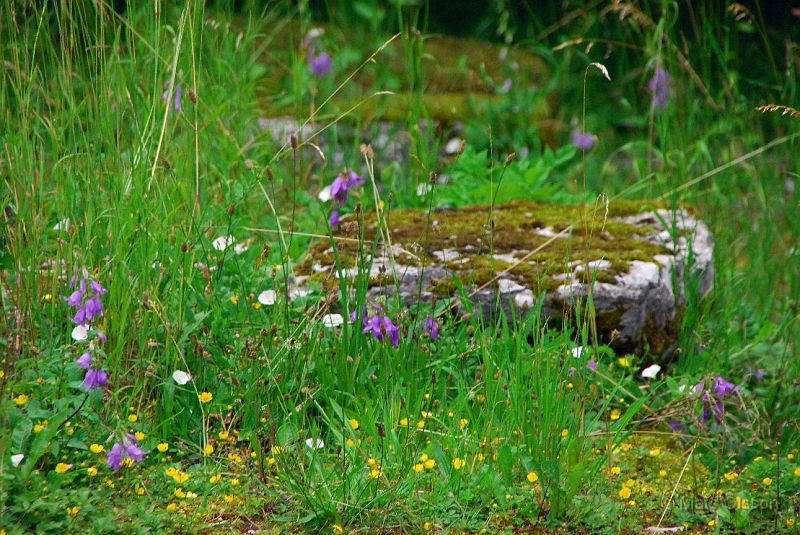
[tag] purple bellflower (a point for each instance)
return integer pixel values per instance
(340, 189)
(88, 309)
(178, 94)
(583, 140)
(320, 64)
(660, 86)
(121, 451)
(378, 325)
(431, 328)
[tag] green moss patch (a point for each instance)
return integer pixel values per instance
(462, 241)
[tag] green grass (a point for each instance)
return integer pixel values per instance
(485, 429)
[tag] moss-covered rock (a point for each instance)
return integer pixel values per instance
(526, 255)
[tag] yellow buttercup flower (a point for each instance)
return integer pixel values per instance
(97, 448)
(655, 452)
(767, 481)
(62, 468)
(92, 471)
(214, 479)
(223, 435)
(21, 400)
(463, 422)
(235, 299)
(350, 442)
(139, 435)
(371, 462)
(209, 449)
(205, 397)
(337, 529)
(730, 476)
(615, 414)
(139, 490)
(73, 511)
(418, 467)
(162, 447)
(404, 422)
(797, 471)
(615, 470)
(662, 473)
(132, 418)
(228, 499)
(375, 473)
(39, 427)
(623, 362)
(171, 507)
(421, 424)
(625, 493)
(171, 471)
(353, 423)
(532, 477)
(564, 433)
(235, 482)
(430, 463)
(458, 464)
(180, 477)
(179, 493)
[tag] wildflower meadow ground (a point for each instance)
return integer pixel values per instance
(165, 168)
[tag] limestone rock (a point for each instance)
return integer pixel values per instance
(540, 257)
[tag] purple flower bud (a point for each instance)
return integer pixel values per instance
(431, 328)
(102, 336)
(178, 93)
(73, 281)
(592, 364)
(660, 87)
(392, 330)
(583, 140)
(97, 288)
(334, 217)
(320, 65)
(676, 427)
(84, 361)
(506, 86)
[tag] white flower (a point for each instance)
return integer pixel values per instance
(62, 225)
(315, 443)
(223, 242)
(423, 188)
(267, 297)
(80, 333)
(578, 351)
(651, 371)
(682, 389)
(313, 33)
(325, 194)
(453, 146)
(239, 248)
(16, 459)
(181, 377)
(294, 293)
(332, 320)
